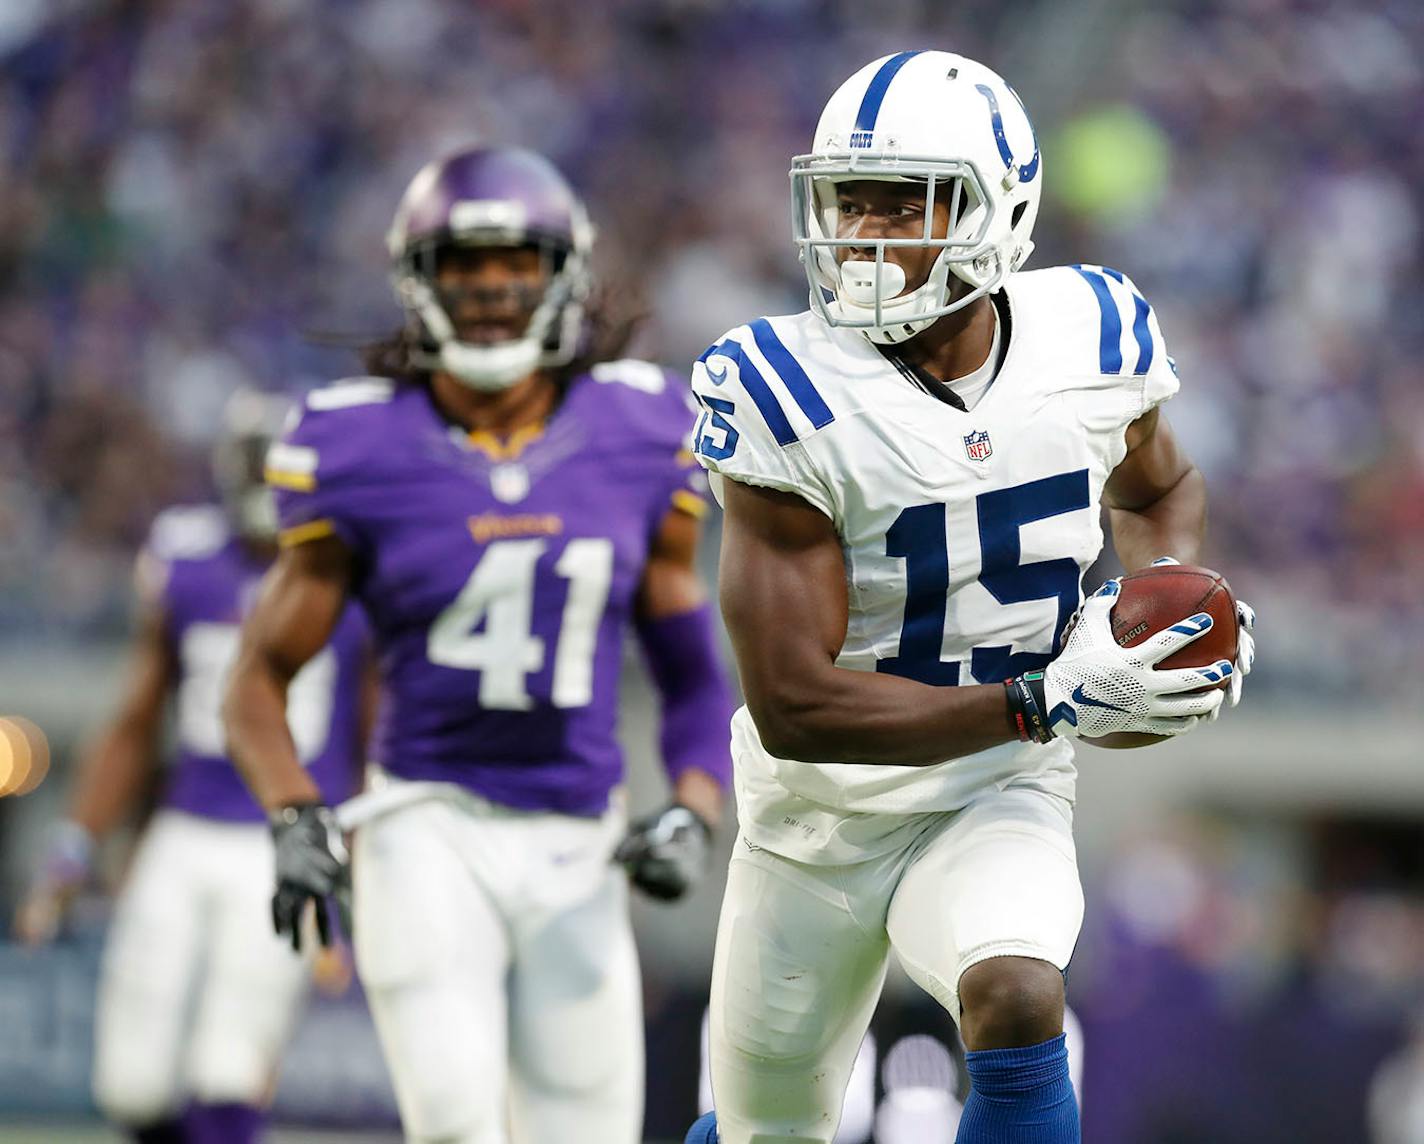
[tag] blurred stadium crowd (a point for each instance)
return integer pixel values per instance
(193, 195)
(191, 190)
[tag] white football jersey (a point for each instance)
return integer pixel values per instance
(966, 534)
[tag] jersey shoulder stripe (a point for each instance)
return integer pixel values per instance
(635, 373)
(1140, 329)
(188, 532)
(797, 383)
(755, 385)
(340, 429)
(1110, 339)
(1110, 355)
(351, 392)
(291, 466)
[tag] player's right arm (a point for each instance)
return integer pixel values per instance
(784, 601)
(314, 472)
(296, 613)
(305, 590)
(783, 596)
(295, 616)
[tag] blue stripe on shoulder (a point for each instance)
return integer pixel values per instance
(1110, 334)
(756, 387)
(1140, 329)
(1143, 334)
(801, 388)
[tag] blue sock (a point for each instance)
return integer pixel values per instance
(1020, 1096)
(704, 1131)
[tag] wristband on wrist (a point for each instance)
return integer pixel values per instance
(1026, 707)
(70, 854)
(291, 814)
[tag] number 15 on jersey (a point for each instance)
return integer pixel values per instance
(920, 536)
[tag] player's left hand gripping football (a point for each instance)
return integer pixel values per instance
(1095, 687)
(311, 866)
(1245, 641)
(667, 853)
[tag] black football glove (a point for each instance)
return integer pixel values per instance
(311, 866)
(667, 853)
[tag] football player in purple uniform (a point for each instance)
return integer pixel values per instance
(190, 921)
(506, 501)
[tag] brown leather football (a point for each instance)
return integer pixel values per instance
(1155, 598)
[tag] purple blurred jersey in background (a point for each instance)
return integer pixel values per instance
(206, 580)
(498, 578)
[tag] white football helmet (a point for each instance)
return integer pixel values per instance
(931, 117)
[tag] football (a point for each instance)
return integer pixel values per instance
(1155, 598)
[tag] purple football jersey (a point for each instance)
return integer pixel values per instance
(498, 577)
(204, 580)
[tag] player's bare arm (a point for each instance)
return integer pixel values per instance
(112, 776)
(671, 587)
(121, 760)
(1156, 502)
(1156, 497)
(295, 615)
(783, 594)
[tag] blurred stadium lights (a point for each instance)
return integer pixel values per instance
(24, 756)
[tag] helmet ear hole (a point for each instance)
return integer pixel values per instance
(1017, 214)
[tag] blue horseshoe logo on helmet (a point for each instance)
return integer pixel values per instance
(1028, 170)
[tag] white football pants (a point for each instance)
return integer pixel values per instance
(857, 1109)
(498, 960)
(197, 994)
(802, 950)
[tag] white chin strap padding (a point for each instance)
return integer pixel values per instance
(858, 282)
(490, 368)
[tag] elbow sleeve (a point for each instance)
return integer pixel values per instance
(686, 667)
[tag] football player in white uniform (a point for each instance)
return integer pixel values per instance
(912, 473)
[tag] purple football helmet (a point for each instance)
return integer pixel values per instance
(493, 196)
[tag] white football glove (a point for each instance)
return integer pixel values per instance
(1245, 641)
(1245, 648)
(1097, 688)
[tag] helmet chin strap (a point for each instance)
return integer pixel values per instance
(486, 369)
(489, 369)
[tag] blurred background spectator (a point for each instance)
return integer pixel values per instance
(190, 190)
(193, 196)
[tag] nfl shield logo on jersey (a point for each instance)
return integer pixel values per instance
(978, 445)
(509, 482)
